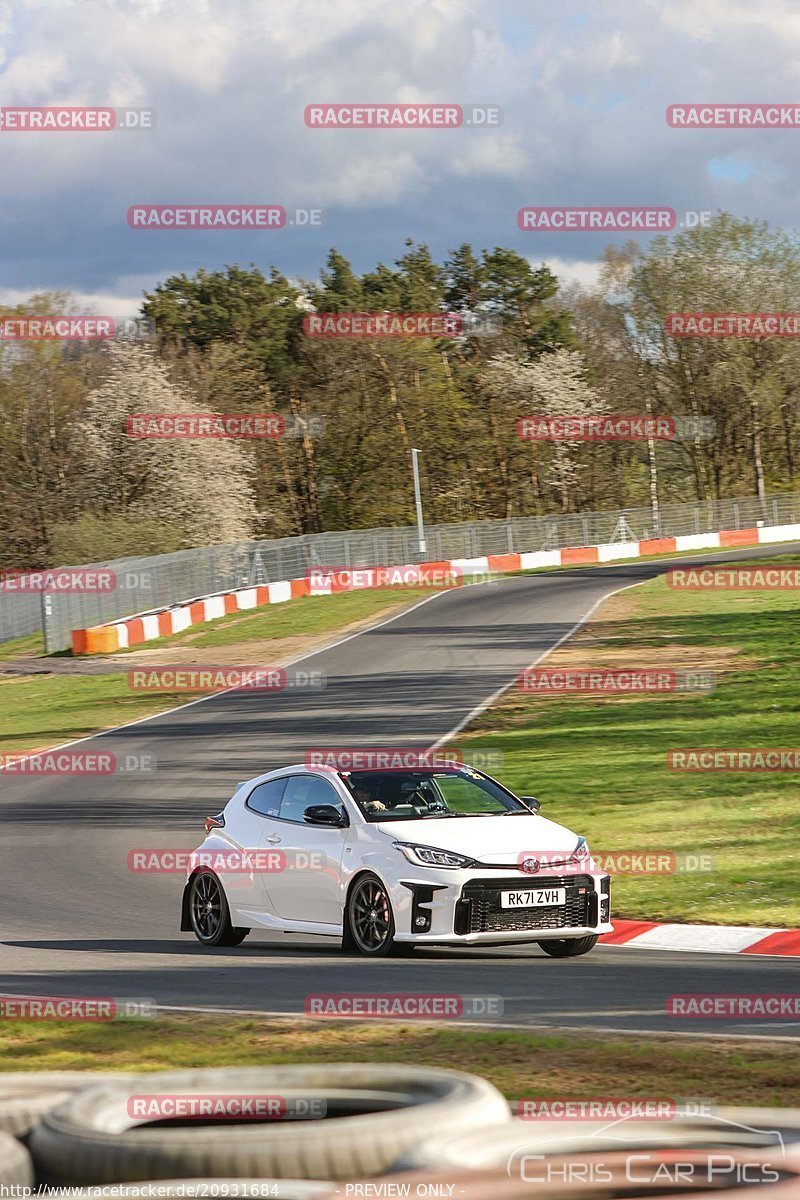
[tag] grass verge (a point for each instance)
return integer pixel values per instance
(599, 764)
(46, 710)
(519, 1063)
(308, 615)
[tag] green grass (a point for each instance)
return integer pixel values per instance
(46, 710)
(32, 643)
(521, 1064)
(295, 618)
(599, 765)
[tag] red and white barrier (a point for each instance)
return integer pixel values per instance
(119, 635)
(705, 939)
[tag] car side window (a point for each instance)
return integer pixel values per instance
(266, 798)
(301, 792)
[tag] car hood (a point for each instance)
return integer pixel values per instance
(497, 840)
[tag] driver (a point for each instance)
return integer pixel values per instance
(367, 802)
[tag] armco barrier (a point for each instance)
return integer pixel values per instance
(131, 631)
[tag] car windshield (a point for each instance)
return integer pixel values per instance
(423, 794)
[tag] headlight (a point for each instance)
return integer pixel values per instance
(581, 851)
(429, 856)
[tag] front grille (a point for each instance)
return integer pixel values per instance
(479, 911)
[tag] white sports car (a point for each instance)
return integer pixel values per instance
(385, 860)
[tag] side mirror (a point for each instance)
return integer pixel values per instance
(531, 802)
(324, 814)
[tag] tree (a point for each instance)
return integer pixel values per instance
(554, 385)
(202, 488)
(235, 306)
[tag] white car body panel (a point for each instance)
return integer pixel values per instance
(310, 896)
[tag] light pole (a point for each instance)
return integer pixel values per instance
(418, 502)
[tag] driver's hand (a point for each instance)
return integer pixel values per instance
(375, 806)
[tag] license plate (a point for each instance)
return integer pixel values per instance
(533, 898)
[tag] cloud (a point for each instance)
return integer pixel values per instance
(584, 89)
(587, 274)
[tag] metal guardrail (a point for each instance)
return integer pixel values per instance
(144, 584)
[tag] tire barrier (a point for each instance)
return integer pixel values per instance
(25, 1098)
(16, 1167)
(658, 1174)
(372, 1113)
(495, 1146)
(404, 1131)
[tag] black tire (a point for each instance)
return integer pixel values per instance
(369, 920)
(374, 1113)
(15, 1163)
(569, 947)
(209, 913)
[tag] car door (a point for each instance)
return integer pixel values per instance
(257, 829)
(309, 888)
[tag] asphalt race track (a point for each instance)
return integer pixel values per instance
(76, 922)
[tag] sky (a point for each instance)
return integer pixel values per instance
(583, 89)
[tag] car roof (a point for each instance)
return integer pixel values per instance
(326, 771)
(292, 769)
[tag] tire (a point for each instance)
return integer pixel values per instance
(25, 1097)
(784, 1121)
(600, 1176)
(209, 913)
(569, 947)
(495, 1147)
(374, 1112)
(15, 1163)
(370, 935)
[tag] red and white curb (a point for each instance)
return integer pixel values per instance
(131, 631)
(705, 939)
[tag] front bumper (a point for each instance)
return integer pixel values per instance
(463, 908)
